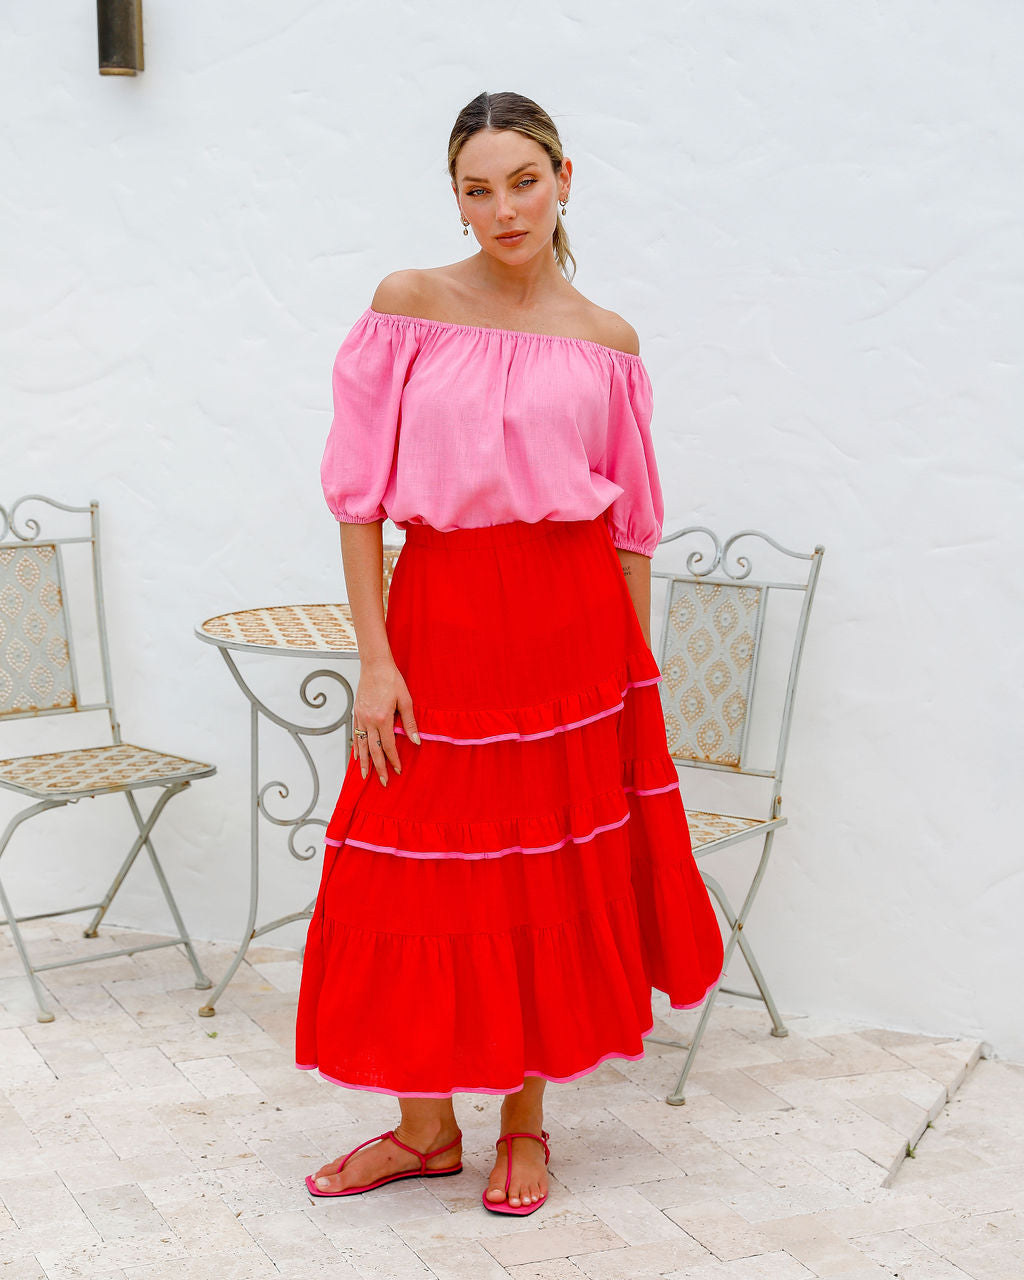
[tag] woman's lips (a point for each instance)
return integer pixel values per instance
(511, 237)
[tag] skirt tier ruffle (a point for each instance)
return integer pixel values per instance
(504, 906)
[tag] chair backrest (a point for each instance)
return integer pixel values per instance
(39, 661)
(712, 650)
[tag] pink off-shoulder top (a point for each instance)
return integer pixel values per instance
(459, 426)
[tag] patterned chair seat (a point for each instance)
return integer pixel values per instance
(94, 770)
(706, 828)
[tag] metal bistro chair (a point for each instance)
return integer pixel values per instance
(727, 692)
(40, 675)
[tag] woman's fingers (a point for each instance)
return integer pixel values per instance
(389, 747)
(408, 719)
(381, 752)
(378, 757)
(365, 749)
(363, 752)
(379, 748)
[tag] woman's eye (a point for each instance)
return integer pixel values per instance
(528, 182)
(474, 191)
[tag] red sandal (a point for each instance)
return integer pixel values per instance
(421, 1172)
(503, 1206)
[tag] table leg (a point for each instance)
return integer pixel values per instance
(258, 805)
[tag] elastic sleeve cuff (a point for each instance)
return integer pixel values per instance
(344, 518)
(639, 548)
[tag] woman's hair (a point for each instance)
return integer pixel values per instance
(513, 111)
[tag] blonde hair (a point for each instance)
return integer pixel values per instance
(514, 111)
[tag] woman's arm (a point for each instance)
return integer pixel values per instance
(362, 554)
(382, 688)
(637, 570)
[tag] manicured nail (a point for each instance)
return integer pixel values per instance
(322, 1183)
(415, 737)
(365, 772)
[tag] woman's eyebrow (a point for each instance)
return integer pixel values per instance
(507, 176)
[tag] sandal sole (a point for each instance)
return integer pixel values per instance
(313, 1190)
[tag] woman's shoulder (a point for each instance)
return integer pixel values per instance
(431, 293)
(582, 318)
(402, 293)
(424, 293)
(612, 331)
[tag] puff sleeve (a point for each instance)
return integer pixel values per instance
(370, 371)
(636, 517)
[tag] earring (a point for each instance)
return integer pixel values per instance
(465, 227)
(564, 203)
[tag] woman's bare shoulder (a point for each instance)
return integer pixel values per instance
(431, 293)
(401, 293)
(609, 328)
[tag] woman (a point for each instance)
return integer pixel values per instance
(508, 868)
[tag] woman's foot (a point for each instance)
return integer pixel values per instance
(385, 1158)
(520, 1113)
(529, 1172)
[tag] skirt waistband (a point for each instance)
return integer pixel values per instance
(508, 534)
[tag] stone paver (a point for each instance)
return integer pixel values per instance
(141, 1142)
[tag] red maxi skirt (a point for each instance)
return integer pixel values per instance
(504, 906)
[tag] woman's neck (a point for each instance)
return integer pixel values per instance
(518, 287)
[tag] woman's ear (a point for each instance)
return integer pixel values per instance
(564, 178)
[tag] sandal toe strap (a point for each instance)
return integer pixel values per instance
(368, 1142)
(543, 1138)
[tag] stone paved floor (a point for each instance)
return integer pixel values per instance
(139, 1141)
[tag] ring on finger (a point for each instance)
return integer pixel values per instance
(359, 733)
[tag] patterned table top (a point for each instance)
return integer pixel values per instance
(312, 629)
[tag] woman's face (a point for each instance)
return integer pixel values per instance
(508, 192)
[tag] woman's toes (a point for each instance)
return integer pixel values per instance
(326, 1178)
(518, 1196)
(532, 1193)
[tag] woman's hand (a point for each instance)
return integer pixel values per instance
(381, 691)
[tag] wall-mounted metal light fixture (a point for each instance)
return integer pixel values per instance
(119, 24)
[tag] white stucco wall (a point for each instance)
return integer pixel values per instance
(812, 217)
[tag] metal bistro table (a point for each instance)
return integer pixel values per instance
(293, 630)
